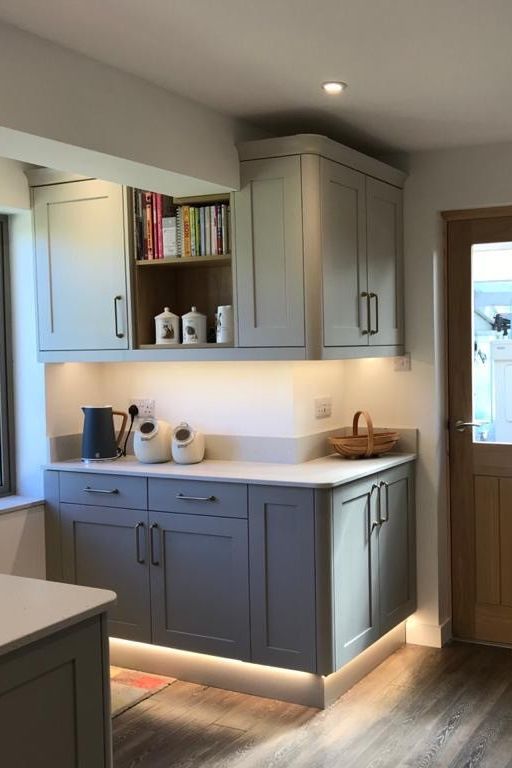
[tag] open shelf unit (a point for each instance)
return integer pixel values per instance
(180, 282)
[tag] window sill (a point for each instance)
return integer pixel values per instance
(15, 503)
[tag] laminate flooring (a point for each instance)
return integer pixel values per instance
(421, 708)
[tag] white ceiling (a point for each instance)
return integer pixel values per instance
(421, 73)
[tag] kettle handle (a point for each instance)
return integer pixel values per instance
(120, 434)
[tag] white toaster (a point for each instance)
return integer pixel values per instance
(187, 444)
(152, 441)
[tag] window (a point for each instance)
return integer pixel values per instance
(6, 424)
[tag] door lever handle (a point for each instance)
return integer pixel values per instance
(461, 425)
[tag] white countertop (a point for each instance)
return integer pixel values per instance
(327, 472)
(31, 609)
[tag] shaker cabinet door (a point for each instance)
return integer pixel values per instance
(200, 583)
(108, 548)
(282, 570)
(269, 254)
(355, 569)
(80, 265)
(397, 552)
(385, 262)
(343, 232)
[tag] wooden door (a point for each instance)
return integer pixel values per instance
(200, 583)
(480, 242)
(344, 276)
(397, 546)
(385, 262)
(108, 548)
(80, 264)
(282, 567)
(269, 254)
(355, 569)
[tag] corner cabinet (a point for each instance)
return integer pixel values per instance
(80, 247)
(319, 249)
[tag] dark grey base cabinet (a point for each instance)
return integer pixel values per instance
(297, 578)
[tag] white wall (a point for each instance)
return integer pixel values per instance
(14, 191)
(63, 110)
(22, 542)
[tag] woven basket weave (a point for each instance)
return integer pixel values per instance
(356, 446)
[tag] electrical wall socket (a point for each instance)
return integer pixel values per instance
(403, 363)
(323, 407)
(146, 407)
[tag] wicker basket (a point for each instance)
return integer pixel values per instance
(356, 446)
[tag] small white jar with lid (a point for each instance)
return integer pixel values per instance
(194, 327)
(167, 328)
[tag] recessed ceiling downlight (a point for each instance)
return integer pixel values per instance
(334, 87)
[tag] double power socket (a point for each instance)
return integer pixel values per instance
(145, 405)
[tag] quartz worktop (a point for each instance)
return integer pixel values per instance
(32, 609)
(326, 472)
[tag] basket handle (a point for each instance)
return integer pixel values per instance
(369, 424)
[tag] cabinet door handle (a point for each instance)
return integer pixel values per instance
(154, 559)
(111, 491)
(375, 523)
(384, 484)
(366, 331)
(138, 549)
(182, 497)
(116, 322)
(375, 296)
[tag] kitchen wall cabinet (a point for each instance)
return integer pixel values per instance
(80, 248)
(299, 578)
(338, 225)
(282, 562)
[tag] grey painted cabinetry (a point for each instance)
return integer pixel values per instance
(82, 300)
(319, 249)
(289, 577)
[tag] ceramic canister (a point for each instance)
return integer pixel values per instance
(167, 328)
(225, 324)
(194, 327)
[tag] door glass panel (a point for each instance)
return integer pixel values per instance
(492, 342)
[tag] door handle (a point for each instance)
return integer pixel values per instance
(116, 322)
(375, 296)
(152, 529)
(182, 497)
(366, 331)
(461, 425)
(140, 558)
(375, 523)
(384, 484)
(112, 491)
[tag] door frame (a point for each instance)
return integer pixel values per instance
(447, 217)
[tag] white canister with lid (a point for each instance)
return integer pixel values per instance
(167, 327)
(225, 324)
(194, 327)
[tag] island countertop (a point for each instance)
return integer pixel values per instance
(326, 472)
(32, 609)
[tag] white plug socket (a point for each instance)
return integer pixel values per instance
(323, 407)
(146, 407)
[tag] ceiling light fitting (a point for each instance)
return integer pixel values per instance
(334, 87)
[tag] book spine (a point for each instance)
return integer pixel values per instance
(193, 232)
(179, 232)
(213, 230)
(228, 229)
(223, 228)
(203, 234)
(186, 232)
(149, 224)
(207, 231)
(219, 229)
(160, 233)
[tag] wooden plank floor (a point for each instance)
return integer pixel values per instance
(421, 708)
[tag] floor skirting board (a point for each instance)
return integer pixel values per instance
(271, 682)
(432, 635)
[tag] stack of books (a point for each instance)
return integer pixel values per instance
(165, 230)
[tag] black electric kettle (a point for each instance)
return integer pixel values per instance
(99, 441)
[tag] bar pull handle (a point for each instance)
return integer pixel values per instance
(119, 334)
(182, 497)
(138, 549)
(366, 295)
(375, 296)
(154, 559)
(384, 484)
(111, 491)
(375, 523)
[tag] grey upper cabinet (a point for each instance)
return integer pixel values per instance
(269, 254)
(355, 589)
(282, 577)
(108, 548)
(80, 264)
(385, 267)
(200, 583)
(397, 556)
(344, 276)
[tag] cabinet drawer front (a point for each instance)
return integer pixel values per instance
(103, 490)
(198, 497)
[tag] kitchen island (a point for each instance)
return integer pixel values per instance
(54, 685)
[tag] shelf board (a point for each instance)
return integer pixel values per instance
(186, 261)
(191, 347)
(222, 197)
